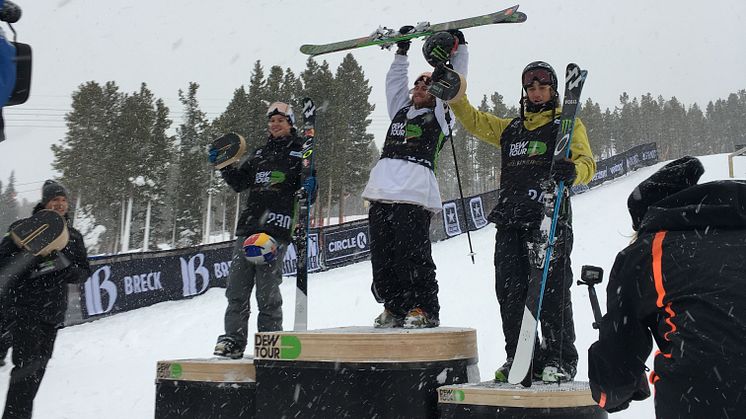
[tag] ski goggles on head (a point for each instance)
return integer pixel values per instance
(423, 79)
(281, 108)
(542, 75)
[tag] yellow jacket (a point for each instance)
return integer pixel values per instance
(489, 128)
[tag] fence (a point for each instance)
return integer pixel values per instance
(130, 281)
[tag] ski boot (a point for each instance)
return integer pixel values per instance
(228, 347)
(418, 319)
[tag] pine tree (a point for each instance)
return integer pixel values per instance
(317, 81)
(8, 203)
(235, 117)
(256, 112)
(593, 119)
(351, 117)
(194, 171)
(87, 156)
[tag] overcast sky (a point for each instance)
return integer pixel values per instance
(693, 50)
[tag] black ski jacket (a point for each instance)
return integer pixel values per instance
(683, 284)
(271, 176)
(45, 296)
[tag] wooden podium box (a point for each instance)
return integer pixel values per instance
(212, 388)
(360, 372)
(571, 400)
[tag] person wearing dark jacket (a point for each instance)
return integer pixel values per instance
(527, 143)
(271, 176)
(35, 305)
(680, 284)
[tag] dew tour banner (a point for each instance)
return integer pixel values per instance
(126, 282)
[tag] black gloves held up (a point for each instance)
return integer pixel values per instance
(403, 46)
(564, 170)
(459, 35)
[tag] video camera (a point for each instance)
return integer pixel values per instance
(590, 276)
(15, 64)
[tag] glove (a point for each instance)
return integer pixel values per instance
(310, 186)
(459, 35)
(564, 170)
(403, 46)
(213, 155)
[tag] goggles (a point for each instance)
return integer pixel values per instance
(423, 79)
(281, 108)
(542, 75)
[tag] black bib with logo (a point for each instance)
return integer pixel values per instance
(418, 140)
(526, 161)
(274, 173)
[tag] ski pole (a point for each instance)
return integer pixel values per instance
(458, 180)
(463, 205)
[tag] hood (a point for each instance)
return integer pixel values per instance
(719, 204)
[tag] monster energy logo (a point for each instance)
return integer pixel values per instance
(439, 53)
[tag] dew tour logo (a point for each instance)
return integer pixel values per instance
(451, 395)
(99, 281)
(274, 346)
(190, 270)
(169, 371)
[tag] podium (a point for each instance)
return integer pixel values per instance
(360, 372)
(212, 388)
(571, 400)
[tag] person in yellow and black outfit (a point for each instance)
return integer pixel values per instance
(527, 143)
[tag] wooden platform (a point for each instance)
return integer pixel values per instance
(487, 399)
(213, 370)
(367, 344)
(360, 372)
(212, 388)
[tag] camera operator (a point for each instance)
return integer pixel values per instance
(15, 64)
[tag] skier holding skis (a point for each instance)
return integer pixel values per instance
(527, 143)
(271, 176)
(404, 193)
(681, 281)
(35, 304)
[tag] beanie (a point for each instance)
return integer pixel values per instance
(50, 190)
(668, 180)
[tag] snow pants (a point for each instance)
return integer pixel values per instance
(512, 267)
(5, 336)
(33, 343)
(241, 280)
(401, 256)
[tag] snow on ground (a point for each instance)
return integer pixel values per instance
(107, 368)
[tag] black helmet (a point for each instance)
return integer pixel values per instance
(541, 72)
(439, 47)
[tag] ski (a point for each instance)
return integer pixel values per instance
(541, 255)
(386, 37)
(300, 236)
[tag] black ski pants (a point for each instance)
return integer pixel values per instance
(33, 343)
(512, 267)
(401, 255)
(5, 337)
